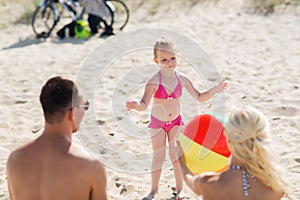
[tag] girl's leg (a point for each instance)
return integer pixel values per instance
(158, 138)
(172, 136)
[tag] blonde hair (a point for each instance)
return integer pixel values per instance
(163, 44)
(249, 138)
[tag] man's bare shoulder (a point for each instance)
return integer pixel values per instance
(20, 152)
(93, 169)
(84, 156)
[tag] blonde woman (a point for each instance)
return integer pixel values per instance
(253, 173)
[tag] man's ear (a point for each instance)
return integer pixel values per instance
(70, 114)
(155, 60)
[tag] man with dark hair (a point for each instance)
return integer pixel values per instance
(51, 167)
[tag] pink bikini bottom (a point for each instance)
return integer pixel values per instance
(166, 125)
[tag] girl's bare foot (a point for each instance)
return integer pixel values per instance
(150, 196)
(180, 195)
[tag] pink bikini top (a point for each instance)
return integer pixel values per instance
(161, 92)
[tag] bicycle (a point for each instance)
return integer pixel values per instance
(119, 14)
(46, 16)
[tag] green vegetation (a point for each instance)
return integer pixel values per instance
(154, 6)
(258, 6)
(21, 10)
(28, 8)
(268, 6)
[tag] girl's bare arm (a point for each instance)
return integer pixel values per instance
(144, 102)
(203, 96)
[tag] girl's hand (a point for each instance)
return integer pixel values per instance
(131, 105)
(221, 86)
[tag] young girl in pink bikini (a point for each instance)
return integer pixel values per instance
(166, 88)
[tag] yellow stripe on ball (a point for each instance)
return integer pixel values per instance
(200, 159)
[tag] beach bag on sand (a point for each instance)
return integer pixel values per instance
(78, 29)
(81, 29)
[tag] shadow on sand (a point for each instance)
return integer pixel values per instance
(36, 41)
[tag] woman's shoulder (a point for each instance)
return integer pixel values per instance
(212, 182)
(209, 177)
(215, 179)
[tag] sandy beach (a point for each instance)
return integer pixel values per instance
(258, 55)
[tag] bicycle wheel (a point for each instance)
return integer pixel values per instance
(43, 21)
(120, 14)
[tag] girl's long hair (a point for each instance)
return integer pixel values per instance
(248, 136)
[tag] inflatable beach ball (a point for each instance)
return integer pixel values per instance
(81, 29)
(204, 145)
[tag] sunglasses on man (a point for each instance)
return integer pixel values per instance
(85, 106)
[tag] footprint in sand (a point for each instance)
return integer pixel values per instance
(100, 122)
(126, 190)
(285, 111)
(297, 160)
